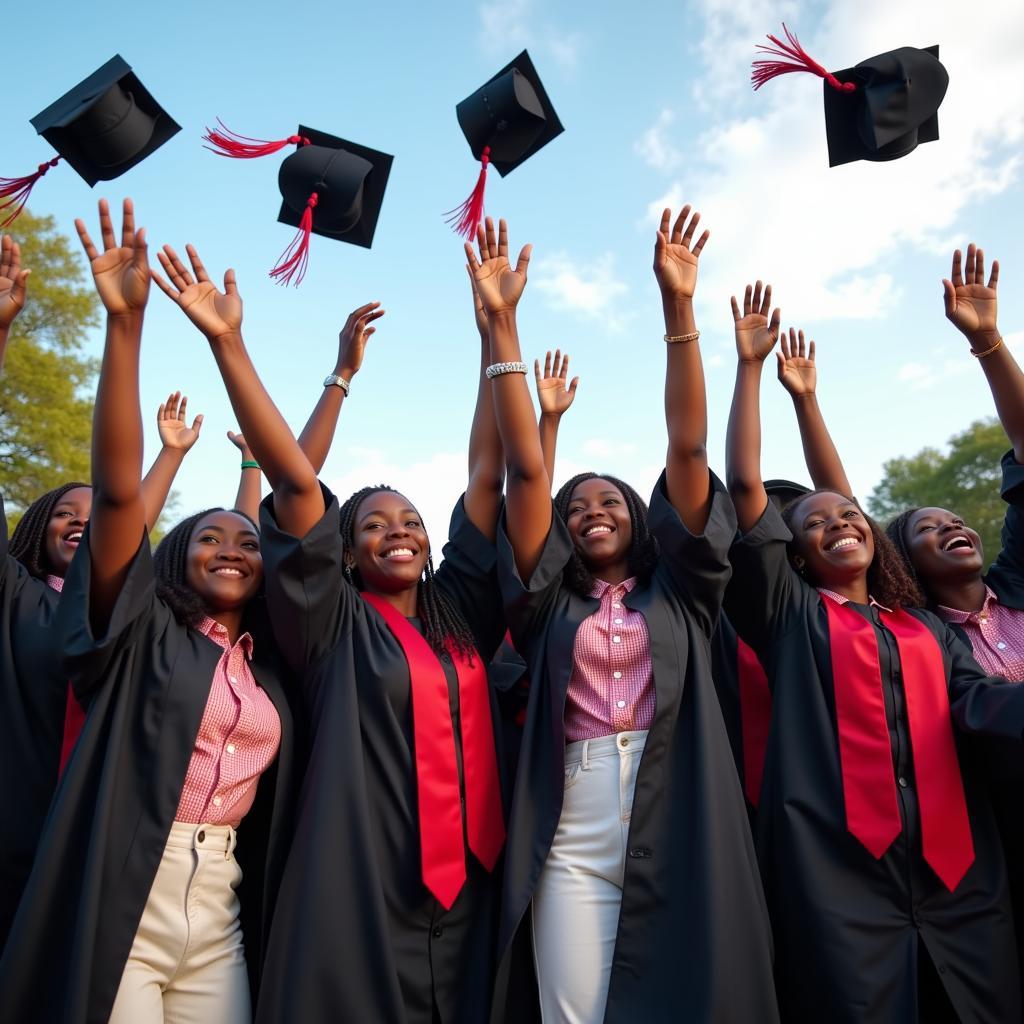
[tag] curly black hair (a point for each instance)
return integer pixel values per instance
(895, 530)
(28, 541)
(643, 551)
(444, 627)
(170, 566)
(889, 583)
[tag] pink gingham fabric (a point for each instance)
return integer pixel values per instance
(996, 634)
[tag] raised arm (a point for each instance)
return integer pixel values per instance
(118, 518)
(971, 308)
(176, 438)
(318, 433)
(799, 376)
(755, 338)
(528, 488)
(13, 282)
(249, 494)
(298, 500)
(687, 476)
(554, 398)
(486, 456)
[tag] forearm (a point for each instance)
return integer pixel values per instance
(547, 428)
(743, 446)
(249, 494)
(1006, 382)
(486, 458)
(820, 453)
(156, 484)
(318, 434)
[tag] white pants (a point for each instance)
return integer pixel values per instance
(576, 905)
(187, 963)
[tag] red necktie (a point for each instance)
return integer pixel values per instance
(869, 789)
(755, 718)
(442, 853)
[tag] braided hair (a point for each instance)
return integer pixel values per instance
(896, 532)
(170, 567)
(28, 541)
(889, 583)
(444, 627)
(643, 550)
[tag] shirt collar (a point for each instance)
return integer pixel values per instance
(601, 587)
(959, 616)
(839, 599)
(219, 635)
(55, 583)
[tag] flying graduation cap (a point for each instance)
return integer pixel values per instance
(505, 122)
(330, 187)
(103, 127)
(881, 109)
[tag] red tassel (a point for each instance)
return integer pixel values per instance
(765, 70)
(225, 142)
(465, 219)
(291, 267)
(15, 191)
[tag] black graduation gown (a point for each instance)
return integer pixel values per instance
(356, 935)
(693, 940)
(847, 926)
(32, 697)
(145, 684)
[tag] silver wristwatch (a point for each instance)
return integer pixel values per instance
(333, 378)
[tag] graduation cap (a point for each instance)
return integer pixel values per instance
(783, 492)
(881, 109)
(103, 127)
(330, 187)
(506, 121)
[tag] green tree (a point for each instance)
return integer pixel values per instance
(965, 480)
(47, 387)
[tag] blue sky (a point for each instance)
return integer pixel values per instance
(657, 107)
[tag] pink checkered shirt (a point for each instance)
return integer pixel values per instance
(996, 634)
(237, 740)
(611, 688)
(55, 583)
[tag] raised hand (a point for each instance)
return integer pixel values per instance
(353, 338)
(797, 373)
(238, 440)
(215, 313)
(552, 393)
(170, 421)
(970, 303)
(121, 272)
(478, 306)
(497, 284)
(675, 262)
(755, 333)
(12, 282)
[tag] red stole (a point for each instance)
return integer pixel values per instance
(865, 754)
(74, 719)
(755, 718)
(442, 853)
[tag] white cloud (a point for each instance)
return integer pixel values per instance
(512, 24)
(590, 291)
(923, 376)
(656, 147)
(819, 234)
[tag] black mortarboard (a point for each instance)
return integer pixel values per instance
(879, 110)
(782, 492)
(506, 121)
(330, 186)
(103, 127)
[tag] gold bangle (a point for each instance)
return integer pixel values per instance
(989, 350)
(673, 338)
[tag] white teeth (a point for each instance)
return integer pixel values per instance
(959, 541)
(225, 570)
(844, 542)
(596, 529)
(399, 552)
(73, 536)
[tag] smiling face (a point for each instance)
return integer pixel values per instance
(599, 524)
(833, 537)
(223, 565)
(390, 546)
(64, 529)
(941, 547)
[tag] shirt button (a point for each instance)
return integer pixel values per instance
(623, 741)
(615, 604)
(620, 703)
(618, 622)
(616, 639)
(616, 675)
(1001, 645)
(903, 782)
(438, 932)
(217, 801)
(230, 748)
(233, 679)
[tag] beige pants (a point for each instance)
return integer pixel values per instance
(576, 905)
(187, 963)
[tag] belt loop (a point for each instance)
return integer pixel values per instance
(586, 758)
(232, 840)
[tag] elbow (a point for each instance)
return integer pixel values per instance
(488, 479)
(741, 484)
(527, 473)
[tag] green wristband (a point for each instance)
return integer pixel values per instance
(249, 464)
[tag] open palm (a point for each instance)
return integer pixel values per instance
(215, 313)
(970, 303)
(171, 423)
(675, 263)
(756, 333)
(797, 372)
(121, 272)
(12, 282)
(497, 283)
(553, 393)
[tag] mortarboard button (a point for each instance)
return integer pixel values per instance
(330, 186)
(103, 127)
(881, 109)
(505, 122)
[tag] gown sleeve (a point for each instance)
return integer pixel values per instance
(310, 601)
(1007, 571)
(698, 565)
(85, 657)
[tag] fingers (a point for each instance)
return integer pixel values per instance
(735, 309)
(773, 325)
(573, 385)
(547, 364)
(524, 260)
(972, 253)
(361, 311)
(677, 228)
(784, 350)
(810, 351)
(492, 241)
(666, 223)
(170, 292)
(781, 359)
(949, 296)
(979, 267)
(174, 268)
(766, 303)
(5, 256)
(536, 371)
(140, 253)
(197, 424)
(472, 263)
(106, 226)
(755, 303)
(701, 242)
(993, 279)
(180, 414)
(563, 371)
(18, 292)
(690, 228)
(502, 238)
(956, 273)
(197, 263)
(90, 249)
(128, 224)
(230, 284)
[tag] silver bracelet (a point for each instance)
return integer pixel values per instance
(497, 369)
(333, 378)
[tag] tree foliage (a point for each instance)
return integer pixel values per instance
(47, 387)
(965, 480)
